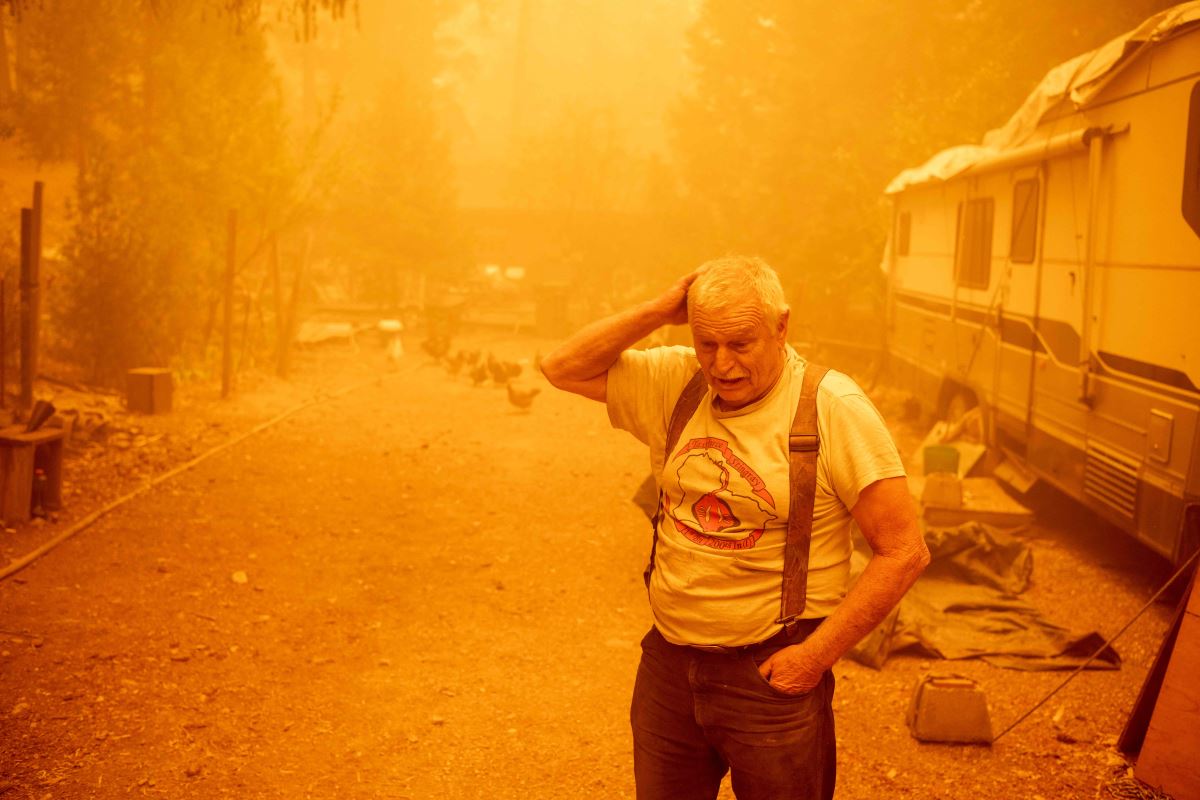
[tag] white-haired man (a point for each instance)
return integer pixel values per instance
(749, 600)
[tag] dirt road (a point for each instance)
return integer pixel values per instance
(417, 591)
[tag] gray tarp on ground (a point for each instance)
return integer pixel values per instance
(966, 606)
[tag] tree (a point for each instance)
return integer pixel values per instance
(391, 211)
(69, 93)
(801, 112)
(172, 128)
(394, 208)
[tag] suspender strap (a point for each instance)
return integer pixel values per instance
(803, 445)
(685, 407)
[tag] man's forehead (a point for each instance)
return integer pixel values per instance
(742, 322)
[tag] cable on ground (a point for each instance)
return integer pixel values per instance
(1101, 648)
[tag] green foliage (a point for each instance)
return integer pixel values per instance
(173, 115)
(391, 204)
(107, 307)
(580, 161)
(178, 124)
(602, 209)
(75, 75)
(304, 13)
(801, 112)
(394, 205)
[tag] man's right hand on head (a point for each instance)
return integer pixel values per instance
(674, 300)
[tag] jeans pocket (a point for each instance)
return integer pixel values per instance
(755, 660)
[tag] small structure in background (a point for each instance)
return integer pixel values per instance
(27, 451)
(148, 390)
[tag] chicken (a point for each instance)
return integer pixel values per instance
(454, 363)
(522, 398)
(497, 369)
(479, 374)
(436, 346)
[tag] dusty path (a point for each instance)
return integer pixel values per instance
(415, 591)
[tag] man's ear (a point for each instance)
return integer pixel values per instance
(781, 332)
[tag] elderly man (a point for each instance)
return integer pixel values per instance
(764, 462)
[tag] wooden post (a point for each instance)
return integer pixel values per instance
(31, 267)
(28, 310)
(293, 312)
(227, 326)
(38, 188)
(20, 31)
(3, 348)
(6, 86)
(277, 293)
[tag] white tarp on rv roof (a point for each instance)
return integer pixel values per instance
(1078, 79)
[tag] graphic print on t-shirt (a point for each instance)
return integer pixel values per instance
(721, 497)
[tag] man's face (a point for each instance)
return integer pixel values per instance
(740, 354)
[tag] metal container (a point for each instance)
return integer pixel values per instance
(949, 708)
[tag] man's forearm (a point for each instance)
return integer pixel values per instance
(883, 582)
(581, 363)
(593, 349)
(886, 516)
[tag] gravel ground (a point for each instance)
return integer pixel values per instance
(414, 590)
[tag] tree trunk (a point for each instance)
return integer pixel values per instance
(277, 295)
(293, 313)
(29, 306)
(227, 319)
(19, 50)
(6, 85)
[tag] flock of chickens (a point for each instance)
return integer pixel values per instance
(481, 367)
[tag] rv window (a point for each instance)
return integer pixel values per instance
(903, 232)
(973, 259)
(1191, 164)
(1023, 247)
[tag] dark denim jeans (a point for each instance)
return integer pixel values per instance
(696, 714)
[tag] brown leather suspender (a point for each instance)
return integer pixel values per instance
(685, 407)
(804, 442)
(803, 446)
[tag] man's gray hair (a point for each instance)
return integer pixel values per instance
(728, 281)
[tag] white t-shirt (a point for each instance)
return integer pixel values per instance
(718, 567)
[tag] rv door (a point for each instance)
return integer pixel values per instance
(1016, 367)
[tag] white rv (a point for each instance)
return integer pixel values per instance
(1052, 275)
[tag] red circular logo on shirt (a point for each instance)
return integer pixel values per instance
(721, 497)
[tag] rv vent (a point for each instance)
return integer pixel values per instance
(1111, 479)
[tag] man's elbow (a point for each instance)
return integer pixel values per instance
(561, 375)
(907, 551)
(923, 557)
(552, 370)
(916, 556)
